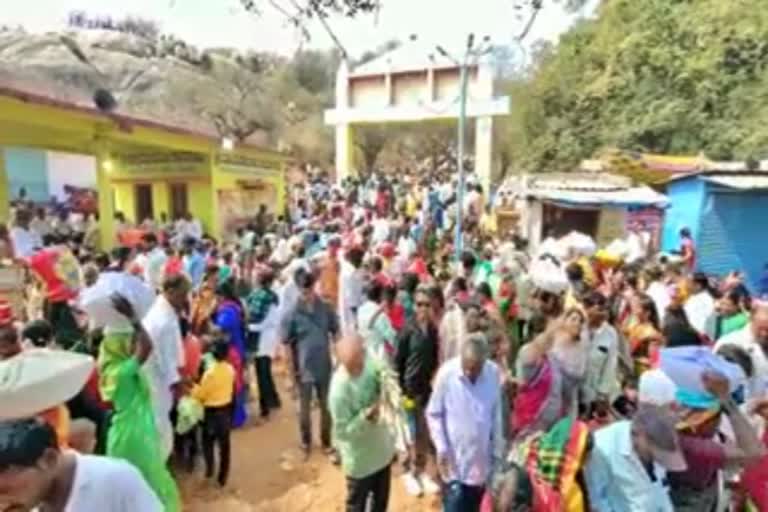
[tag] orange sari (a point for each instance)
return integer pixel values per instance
(58, 418)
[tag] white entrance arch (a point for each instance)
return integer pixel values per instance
(413, 83)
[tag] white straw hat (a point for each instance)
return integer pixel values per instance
(36, 380)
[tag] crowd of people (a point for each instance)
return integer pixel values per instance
(564, 378)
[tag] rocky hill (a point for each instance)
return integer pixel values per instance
(250, 96)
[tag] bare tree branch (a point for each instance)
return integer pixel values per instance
(321, 16)
(536, 6)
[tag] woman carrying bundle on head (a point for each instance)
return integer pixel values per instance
(551, 369)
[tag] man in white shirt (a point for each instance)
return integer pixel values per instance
(154, 261)
(167, 358)
(658, 292)
(381, 226)
(351, 281)
(25, 241)
(41, 225)
(36, 475)
(62, 225)
(635, 245)
(700, 306)
(626, 470)
(194, 227)
(753, 338)
(188, 227)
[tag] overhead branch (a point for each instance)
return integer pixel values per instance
(536, 6)
(321, 16)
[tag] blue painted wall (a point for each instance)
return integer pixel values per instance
(27, 168)
(686, 198)
(729, 238)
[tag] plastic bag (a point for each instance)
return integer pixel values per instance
(190, 413)
(96, 301)
(548, 274)
(686, 365)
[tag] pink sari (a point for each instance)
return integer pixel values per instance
(531, 398)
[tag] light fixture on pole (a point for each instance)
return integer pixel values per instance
(227, 144)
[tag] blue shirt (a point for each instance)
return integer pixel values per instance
(464, 420)
(616, 478)
(194, 267)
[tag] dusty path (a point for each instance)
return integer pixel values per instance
(268, 475)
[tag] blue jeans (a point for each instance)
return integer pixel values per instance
(458, 497)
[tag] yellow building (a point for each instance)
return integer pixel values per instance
(145, 168)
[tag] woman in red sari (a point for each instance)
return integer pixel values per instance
(551, 368)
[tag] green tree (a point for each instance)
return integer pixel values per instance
(666, 76)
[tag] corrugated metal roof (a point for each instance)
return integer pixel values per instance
(586, 181)
(742, 182)
(737, 166)
(636, 196)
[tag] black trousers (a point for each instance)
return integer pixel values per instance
(305, 412)
(217, 426)
(268, 397)
(374, 488)
(187, 448)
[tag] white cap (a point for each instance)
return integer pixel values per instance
(656, 388)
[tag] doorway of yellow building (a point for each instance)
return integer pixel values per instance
(144, 205)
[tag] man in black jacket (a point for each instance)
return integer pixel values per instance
(416, 362)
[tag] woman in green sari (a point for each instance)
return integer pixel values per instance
(733, 312)
(133, 434)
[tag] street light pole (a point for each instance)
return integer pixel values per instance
(464, 67)
(463, 84)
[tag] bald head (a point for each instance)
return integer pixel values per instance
(350, 351)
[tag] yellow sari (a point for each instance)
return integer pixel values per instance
(642, 336)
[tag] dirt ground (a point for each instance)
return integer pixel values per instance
(269, 475)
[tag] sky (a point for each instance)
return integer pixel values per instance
(208, 23)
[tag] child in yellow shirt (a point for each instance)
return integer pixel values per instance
(215, 392)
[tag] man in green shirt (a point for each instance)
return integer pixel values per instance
(364, 442)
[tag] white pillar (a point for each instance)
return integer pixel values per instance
(345, 151)
(431, 96)
(344, 133)
(484, 151)
(483, 89)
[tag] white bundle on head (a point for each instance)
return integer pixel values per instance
(554, 248)
(96, 300)
(548, 274)
(618, 248)
(579, 243)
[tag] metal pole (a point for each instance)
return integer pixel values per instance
(463, 83)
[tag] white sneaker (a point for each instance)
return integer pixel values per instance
(429, 485)
(412, 485)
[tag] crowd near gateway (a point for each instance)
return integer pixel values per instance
(570, 377)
